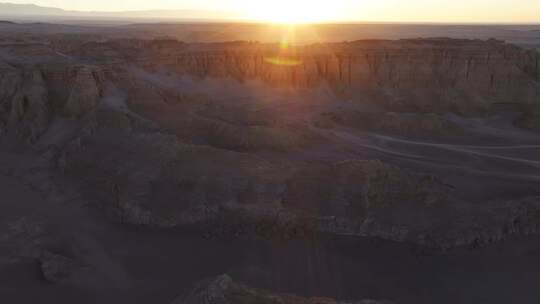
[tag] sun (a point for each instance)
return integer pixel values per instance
(291, 11)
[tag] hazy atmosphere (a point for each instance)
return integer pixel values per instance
(468, 11)
(270, 152)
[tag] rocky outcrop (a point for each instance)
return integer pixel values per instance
(56, 268)
(354, 188)
(31, 99)
(28, 106)
(161, 182)
(368, 198)
(223, 290)
(164, 182)
(84, 93)
(373, 199)
(435, 227)
(197, 119)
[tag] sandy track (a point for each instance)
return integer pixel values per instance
(470, 150)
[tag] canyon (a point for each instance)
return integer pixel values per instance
(113, 150)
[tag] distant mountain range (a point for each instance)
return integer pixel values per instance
(32, 10)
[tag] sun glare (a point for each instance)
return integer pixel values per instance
(291, 11)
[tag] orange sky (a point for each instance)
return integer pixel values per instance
(491, 11)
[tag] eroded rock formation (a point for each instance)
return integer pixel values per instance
(426, 75)
(223, 290)
(128, 132)
(30, 99)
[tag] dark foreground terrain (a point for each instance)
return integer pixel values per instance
(159, 171)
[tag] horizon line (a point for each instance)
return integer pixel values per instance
(234, 18)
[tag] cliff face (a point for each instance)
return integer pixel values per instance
(427, 75)
(423, 75)
(31, 98)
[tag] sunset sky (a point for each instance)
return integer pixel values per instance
(491, 11)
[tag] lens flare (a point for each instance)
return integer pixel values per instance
(283, 61)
